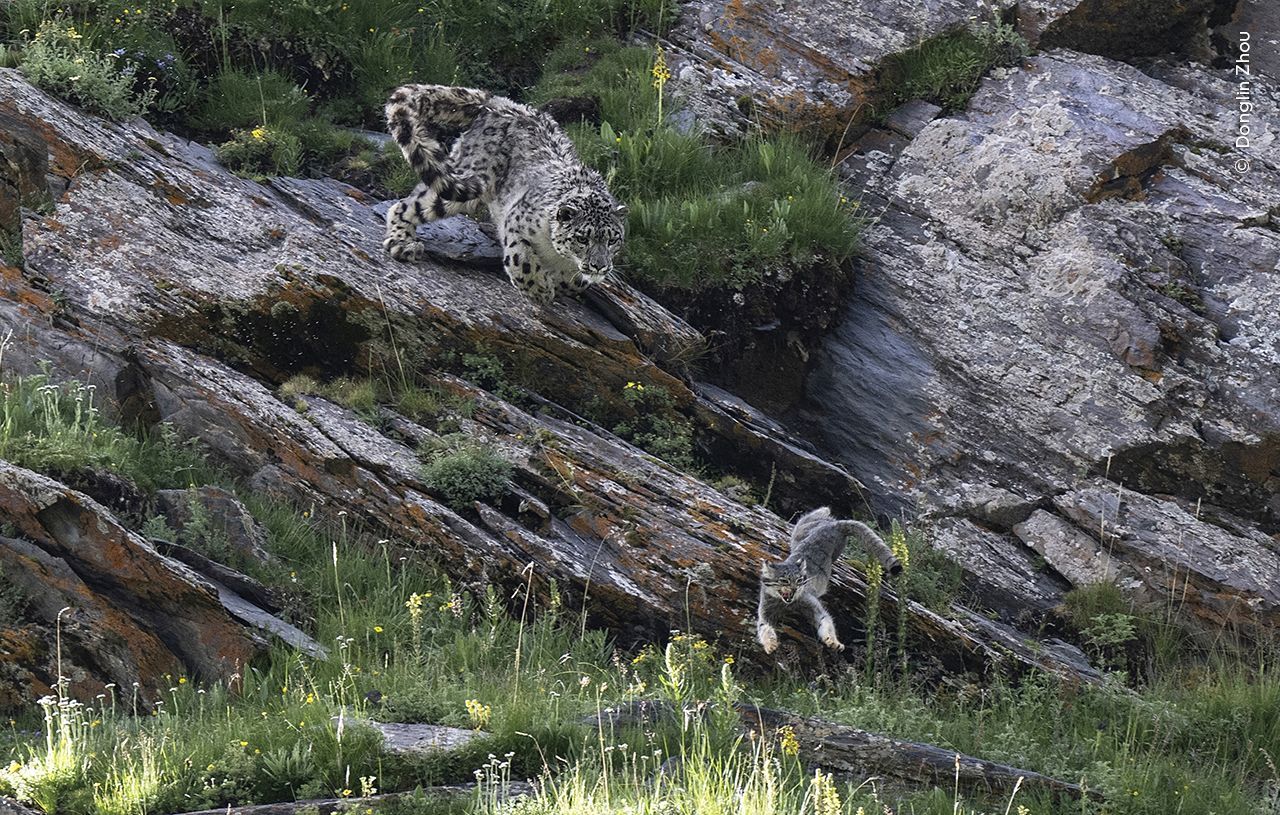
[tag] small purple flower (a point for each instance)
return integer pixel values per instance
(119, 52)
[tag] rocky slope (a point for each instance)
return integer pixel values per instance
(1062, 348)
(186, 295)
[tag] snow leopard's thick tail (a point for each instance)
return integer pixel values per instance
(419, 117)
(870, 541)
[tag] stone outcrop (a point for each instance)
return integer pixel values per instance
(1062, 347)
(1063, 344)
(122, 612)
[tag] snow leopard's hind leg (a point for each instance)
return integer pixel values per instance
(422, 205)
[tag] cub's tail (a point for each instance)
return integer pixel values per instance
(870, 541)
(419, 117)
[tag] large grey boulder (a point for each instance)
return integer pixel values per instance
(1073, 283)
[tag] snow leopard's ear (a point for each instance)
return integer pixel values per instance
(566, 213)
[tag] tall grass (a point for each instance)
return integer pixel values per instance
(58, 428)
(702, 215)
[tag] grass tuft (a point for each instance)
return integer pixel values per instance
(58, 428)
(462, 471)
(946, 69)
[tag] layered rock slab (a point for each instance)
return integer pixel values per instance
(123, 612)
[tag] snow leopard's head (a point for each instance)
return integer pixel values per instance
(588, 228)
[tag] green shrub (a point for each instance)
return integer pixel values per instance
(946, 70)
(261, 152)
(240, 100)
(13, 598)
(657, 426)
(462, 471)
(11, 247)
(157, 59)
(59, 61)
(201, 534)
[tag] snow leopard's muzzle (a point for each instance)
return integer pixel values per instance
(598, 263)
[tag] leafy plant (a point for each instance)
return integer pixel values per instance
(657, 426)
(261, 152)
(462, 471)
(58, 60)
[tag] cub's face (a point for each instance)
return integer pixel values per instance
(589, 230)
(783, 581)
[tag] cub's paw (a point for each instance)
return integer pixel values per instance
(827, 633)
(404, 250)
(768, 638)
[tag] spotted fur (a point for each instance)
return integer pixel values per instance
(559, 226)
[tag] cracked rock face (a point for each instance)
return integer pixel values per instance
(813, 65)
(1072, 287)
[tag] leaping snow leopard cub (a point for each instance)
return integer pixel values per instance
(558, 224)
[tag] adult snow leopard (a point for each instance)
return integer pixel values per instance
(817, 541)
(558, 224)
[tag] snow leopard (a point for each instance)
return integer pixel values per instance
(817, 541)
(559, 226)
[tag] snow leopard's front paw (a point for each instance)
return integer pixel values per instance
(827, 633)
(404, 250)
(768, 637)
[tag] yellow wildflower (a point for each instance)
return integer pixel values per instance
(898, 545)
(479, 713)
(826, 800)
(787, 741)
(258, 134)
(661, 73)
